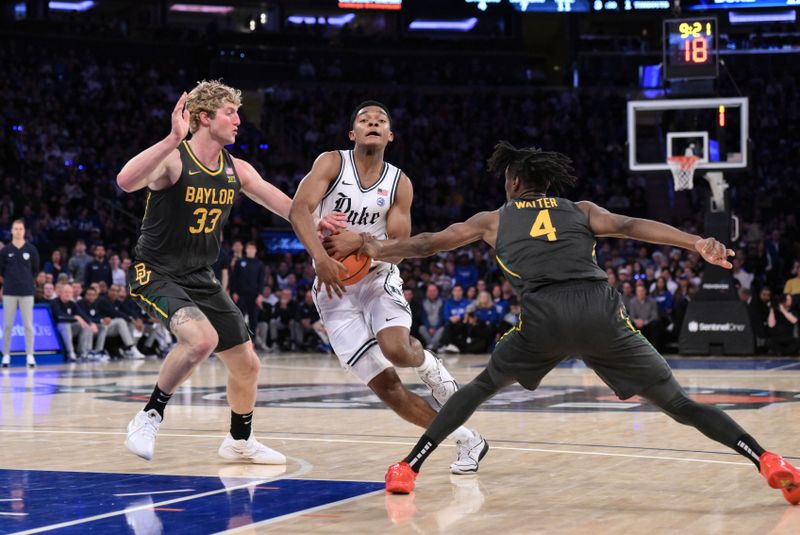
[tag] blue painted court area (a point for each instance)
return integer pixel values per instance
(91, 502)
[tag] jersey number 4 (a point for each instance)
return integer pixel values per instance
(543, 226)
(206, 221)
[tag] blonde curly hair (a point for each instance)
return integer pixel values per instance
(209, 96)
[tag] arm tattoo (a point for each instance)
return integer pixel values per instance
(183, 315)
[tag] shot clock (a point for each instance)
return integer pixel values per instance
(690, 48)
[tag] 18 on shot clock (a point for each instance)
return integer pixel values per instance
(690, 48)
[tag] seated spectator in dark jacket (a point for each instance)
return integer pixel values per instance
(471, 335)
(284, 315)
(98, 269)
(643, 312)
(111, 322)
(758, 308)
(71, 321)
(266, 302)
(432, 318)
(781, 337)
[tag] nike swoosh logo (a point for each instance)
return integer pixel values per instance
(346, 183)
(193, 172)
(390, 319)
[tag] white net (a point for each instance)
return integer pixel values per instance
(682, 168)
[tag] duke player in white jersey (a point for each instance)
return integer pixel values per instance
(369, 322)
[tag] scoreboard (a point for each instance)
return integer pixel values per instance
(691, 48)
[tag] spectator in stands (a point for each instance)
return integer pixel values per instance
(280, 325)
(48, 293)
(55, 264)
(454, 310)
(246, 284)
(432, 318)
(643, 312)
(471, 335)
(266, 302)
(466, 274)
(759, 309)
(111, 322)
(72, 321)
(78, 261)
(98, 269)
(781, 337)
(19, 263)
(310, 330)
(627, 294)
(416, 309)
(486, 312)
(118, 275)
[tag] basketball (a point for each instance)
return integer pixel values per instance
(358, 265)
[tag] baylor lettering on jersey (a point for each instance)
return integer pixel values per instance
(182, 225)
(545, 240)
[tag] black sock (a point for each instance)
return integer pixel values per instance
(747, 446)
(241, 425)
(158, 401)
(424, 447)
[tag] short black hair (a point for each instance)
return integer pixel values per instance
(538, 170)
(365, 104)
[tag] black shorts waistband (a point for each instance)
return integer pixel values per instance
(569, 285)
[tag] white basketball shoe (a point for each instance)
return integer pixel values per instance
(142, 431)
(469, 455)
(438, 379)
(249, 450)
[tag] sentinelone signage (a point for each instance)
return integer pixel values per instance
(45, 336)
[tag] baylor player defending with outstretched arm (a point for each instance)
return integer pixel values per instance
(191, 187)
(369, 325)
(545, 245)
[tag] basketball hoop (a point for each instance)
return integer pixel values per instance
(682, 168)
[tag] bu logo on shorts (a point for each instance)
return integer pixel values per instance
(142, 274)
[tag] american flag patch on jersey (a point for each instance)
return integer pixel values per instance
(229, 170)
(384, 192)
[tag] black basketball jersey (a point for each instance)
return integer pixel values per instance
(545, 240)
(182, 225)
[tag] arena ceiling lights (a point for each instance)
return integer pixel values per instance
(444, 25)
(201, 8)
(86, 5)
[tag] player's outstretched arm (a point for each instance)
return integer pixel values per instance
(261, 191)
(160, 162)
(480, 226)
(607, 224)
(309, 194)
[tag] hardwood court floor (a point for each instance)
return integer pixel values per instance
(566, 459)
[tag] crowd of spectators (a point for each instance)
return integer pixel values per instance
(71, 120)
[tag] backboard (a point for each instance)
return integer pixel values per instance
(714, 129)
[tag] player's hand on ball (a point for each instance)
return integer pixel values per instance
(370, 246)
(328, 276)
(714, 252)
(341, 244)
(331, 223)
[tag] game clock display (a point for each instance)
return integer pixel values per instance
(690, 48)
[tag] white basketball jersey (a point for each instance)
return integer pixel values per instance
(366, 208)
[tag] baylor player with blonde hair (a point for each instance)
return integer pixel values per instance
(191, 186)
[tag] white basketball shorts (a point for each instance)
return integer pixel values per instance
(369, 306)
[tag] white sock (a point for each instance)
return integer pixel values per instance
(428, 364)
(462, 434)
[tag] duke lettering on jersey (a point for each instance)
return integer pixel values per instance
(182, 224)
(366, 207)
